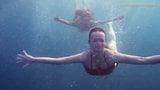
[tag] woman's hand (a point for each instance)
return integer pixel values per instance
(25, 58)
(56, 18)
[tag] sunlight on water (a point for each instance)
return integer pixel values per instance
(8, 10)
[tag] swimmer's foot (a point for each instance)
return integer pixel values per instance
(110, 24)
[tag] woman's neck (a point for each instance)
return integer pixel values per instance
(97, 52)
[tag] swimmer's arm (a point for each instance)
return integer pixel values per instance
(109, 20)
(28, 59)
(132, 59)
(63, 21)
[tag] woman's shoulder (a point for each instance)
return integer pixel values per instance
(86, 53)
(109, 51)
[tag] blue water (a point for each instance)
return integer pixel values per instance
(29, 25)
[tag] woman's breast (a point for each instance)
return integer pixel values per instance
(98, 68)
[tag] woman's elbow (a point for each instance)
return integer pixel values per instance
(147, 60)
(142, 60)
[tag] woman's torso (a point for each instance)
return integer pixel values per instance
(99, 64)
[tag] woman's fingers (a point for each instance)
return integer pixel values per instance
(23, 58)
(24, 52)
(19, 61)
(18, 57)
(25, 65)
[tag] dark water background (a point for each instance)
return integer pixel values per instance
(28, 25)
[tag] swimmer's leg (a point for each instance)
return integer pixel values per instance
(112, 40)
(111, 37)
(80, 4)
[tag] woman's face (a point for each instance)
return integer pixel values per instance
(97, 41)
